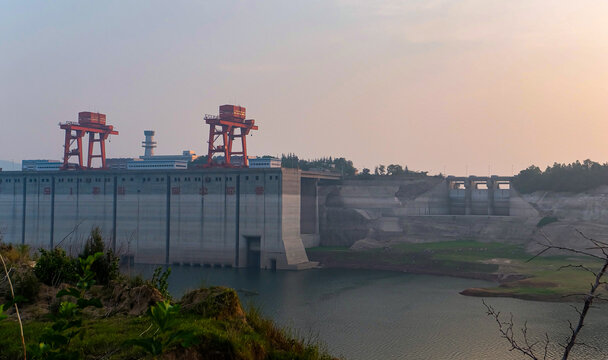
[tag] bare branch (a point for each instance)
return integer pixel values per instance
(506, 330)
(588, 302)
(527, 348)
(16, 307)
(589, 238)
(70, 233)
(577, 266)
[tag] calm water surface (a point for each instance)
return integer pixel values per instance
(362, 314)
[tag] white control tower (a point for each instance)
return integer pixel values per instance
(149, 144)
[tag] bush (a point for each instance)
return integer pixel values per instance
(15, 254)
(26, 284)
(159, 281)
(214, 302)
(105, 267)
(546, 221)
(136, 281)
(55, 267)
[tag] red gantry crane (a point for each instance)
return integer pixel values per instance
(93, 124)
(223, 130)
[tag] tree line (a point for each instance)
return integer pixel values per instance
(345, 167)
(574, 177)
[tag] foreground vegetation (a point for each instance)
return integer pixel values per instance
(548, 278)
(237, 337)
(83, 308)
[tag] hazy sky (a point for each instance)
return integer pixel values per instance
(447, 86)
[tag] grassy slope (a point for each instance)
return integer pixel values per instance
(255, 338)
(545, 279)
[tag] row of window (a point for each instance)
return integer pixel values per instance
(158, 179)
(30, 180)
(155, 166)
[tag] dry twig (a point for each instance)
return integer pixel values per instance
(16, 307)
(506, 327)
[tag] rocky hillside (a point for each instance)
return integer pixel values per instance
(377, 212)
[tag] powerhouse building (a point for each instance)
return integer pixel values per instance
(252, 217)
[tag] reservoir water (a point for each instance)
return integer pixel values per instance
(364, 314)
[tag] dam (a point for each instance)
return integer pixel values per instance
(231, 210)
(240, 217)
(243, 217)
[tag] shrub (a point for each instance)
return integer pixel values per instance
(55, 267)
(214, 302)
(54, 342)
(136, 281)
(15, 254)
(105, 267)
(546, 221)
(159, 281)
(26, 284)
(164, 317)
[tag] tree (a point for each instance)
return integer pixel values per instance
(341, 165)
(289, 161)
(574, 177)
(106, 267)
(380, 170)
(365, 172)
(198, 162)
(394, 169)
(529, 347)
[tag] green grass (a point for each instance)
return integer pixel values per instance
(257, 338)
(328, 248)
(546, 221)
(545, 276)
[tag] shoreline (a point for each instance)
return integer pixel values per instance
(524, 282)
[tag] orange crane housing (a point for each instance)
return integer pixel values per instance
(93, 124)
(223, 130)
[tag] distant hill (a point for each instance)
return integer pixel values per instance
(9, 165)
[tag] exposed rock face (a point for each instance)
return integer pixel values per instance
(342, 227)
(583, 213)
(589, 206)
(377, 212)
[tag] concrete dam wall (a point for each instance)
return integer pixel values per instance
(225, 217)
